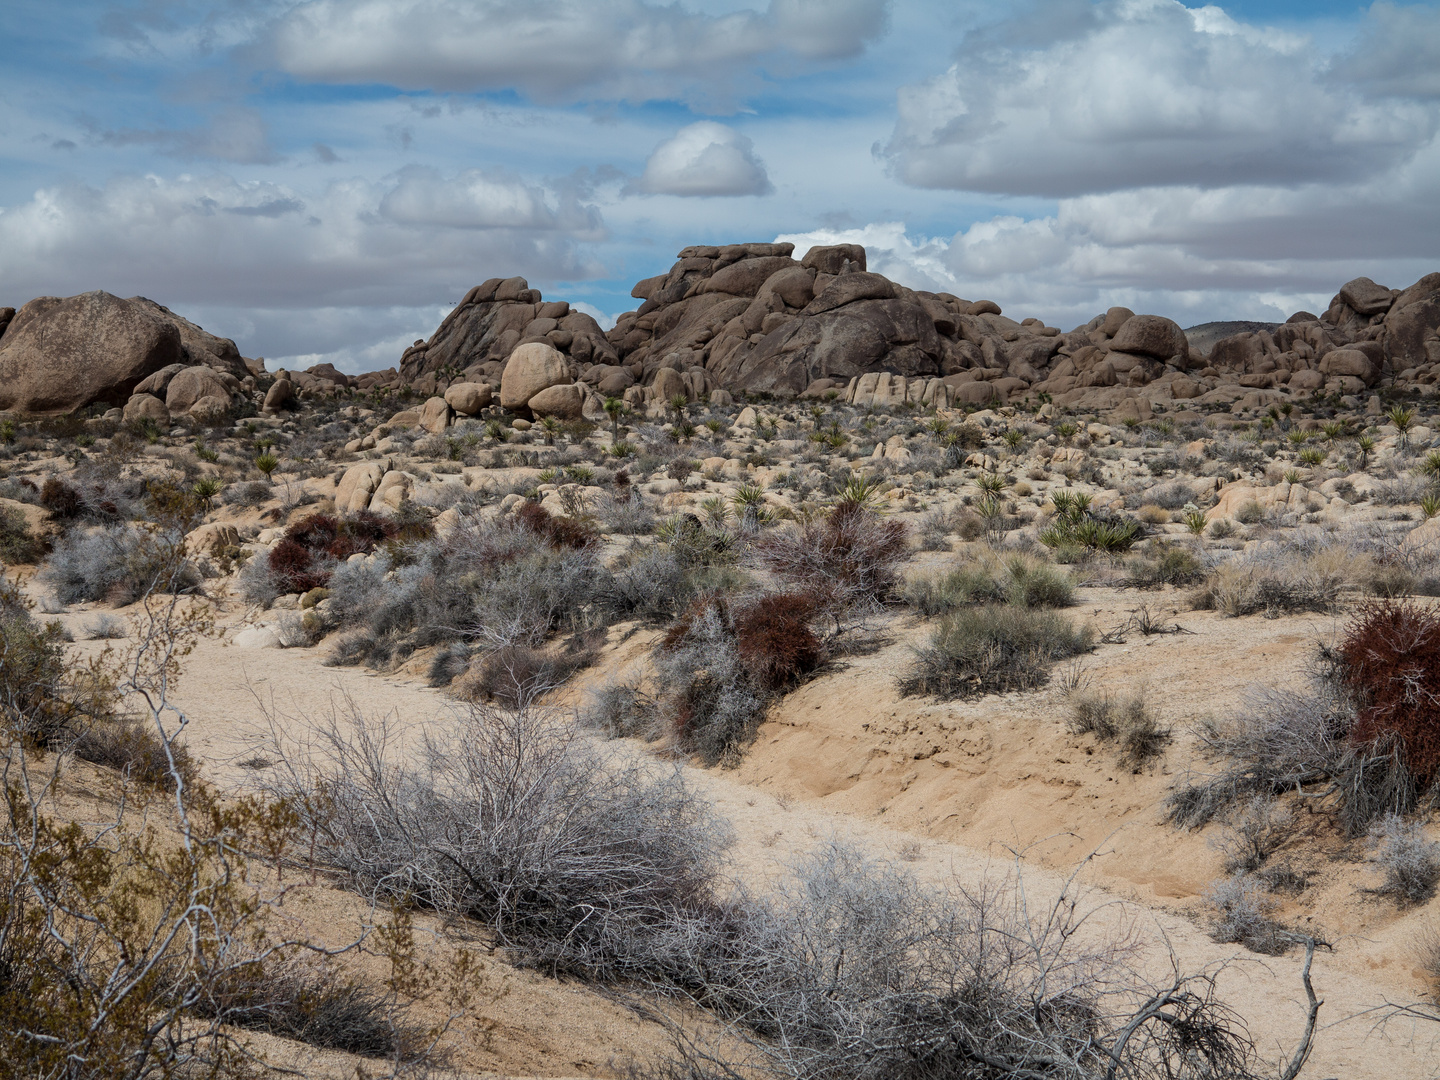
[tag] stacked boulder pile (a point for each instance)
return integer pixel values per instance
(58, 355)
(750, 317)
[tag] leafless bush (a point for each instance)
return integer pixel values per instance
(863, 973)
(628, 516)
(515, 675)
(852, 553)
(1242, 908)
(1253, 832)
(118, 564)
(580, 864)
(105, 627)
(619, 709)
(1128, 721)
(1277, 741)
(1409, 860)
(1277, 583)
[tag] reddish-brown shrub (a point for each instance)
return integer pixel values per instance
(62, 500)
(773, 635)
(1391, 662)
(851, 554)
(299, 559)
(559, 532)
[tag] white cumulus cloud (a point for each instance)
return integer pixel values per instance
(704, 158)
(1120, 94)
(561, 50)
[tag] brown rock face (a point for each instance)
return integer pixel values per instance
(1151, 335)
(1351, 362)
(1365, 297)
(1413, 325)
(201, 347)
(832, 259)
(59, 355)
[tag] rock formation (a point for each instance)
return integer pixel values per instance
(62, 354)
(750, 317)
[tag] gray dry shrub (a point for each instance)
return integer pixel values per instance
(1277, 583)
(257, 582)
(490, 581)
(631, 516)
(1241, 908)
(1253, 832)
(703, 684)
(1409, 860)
(579, 863)
(1127, 721)
(993, 649)
(249, 494)
(118, 564)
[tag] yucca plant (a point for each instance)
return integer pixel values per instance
(1431, 465)
(205, 489)
(1365, 444)
(267, 463)
(1292, 476)
(1312, 455)
(1298, 437)
(990, 483)
(1013, 438)
(1402, 418)
(1195, 522)
(862, 491)
(1065, 429)
(1430, 505)
(622, 449)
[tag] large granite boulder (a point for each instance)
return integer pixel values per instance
(531, 368)
(1152, 335)
(62, 354)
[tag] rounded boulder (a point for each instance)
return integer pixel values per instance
(1151, 335)
(532, 367)
(146, 407)
(468, 398)
(564, 402)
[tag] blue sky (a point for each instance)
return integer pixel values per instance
(321, 180)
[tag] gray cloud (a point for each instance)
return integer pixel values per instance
(562, 50)
(164, 237)
(704, 159)
(236, 135)
(1136, 93)
(1399, 53)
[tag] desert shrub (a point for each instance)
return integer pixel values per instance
(496, 582)
(1163, 564)
(1390, 660)
(251, 493)
(658, 583)
(105, 627)
(992, 649)
(257, 581)
(626, 515)
(514, 675)
(1391, 581)
(62, 500)
(309, 1002)
(1278, 741)
(1254, 831)
(118, 564)
(1241, 908)
(579, 864)
(863, 972)
(558, 532)
(44, 700)
(720, 665)
(850, 553)
(1274, 583)
(17, 543)
(1127, 721)
(619, 709)
(937, 526)
(1076, 526)
(990, 578)
(306, 556)
(133, 748)
(1408, 859)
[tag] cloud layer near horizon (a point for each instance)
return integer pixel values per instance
(320, 179)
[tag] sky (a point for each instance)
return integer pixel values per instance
(323, 180)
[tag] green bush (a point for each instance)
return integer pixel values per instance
(992, 649)
(17, 544)
(988, 579)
